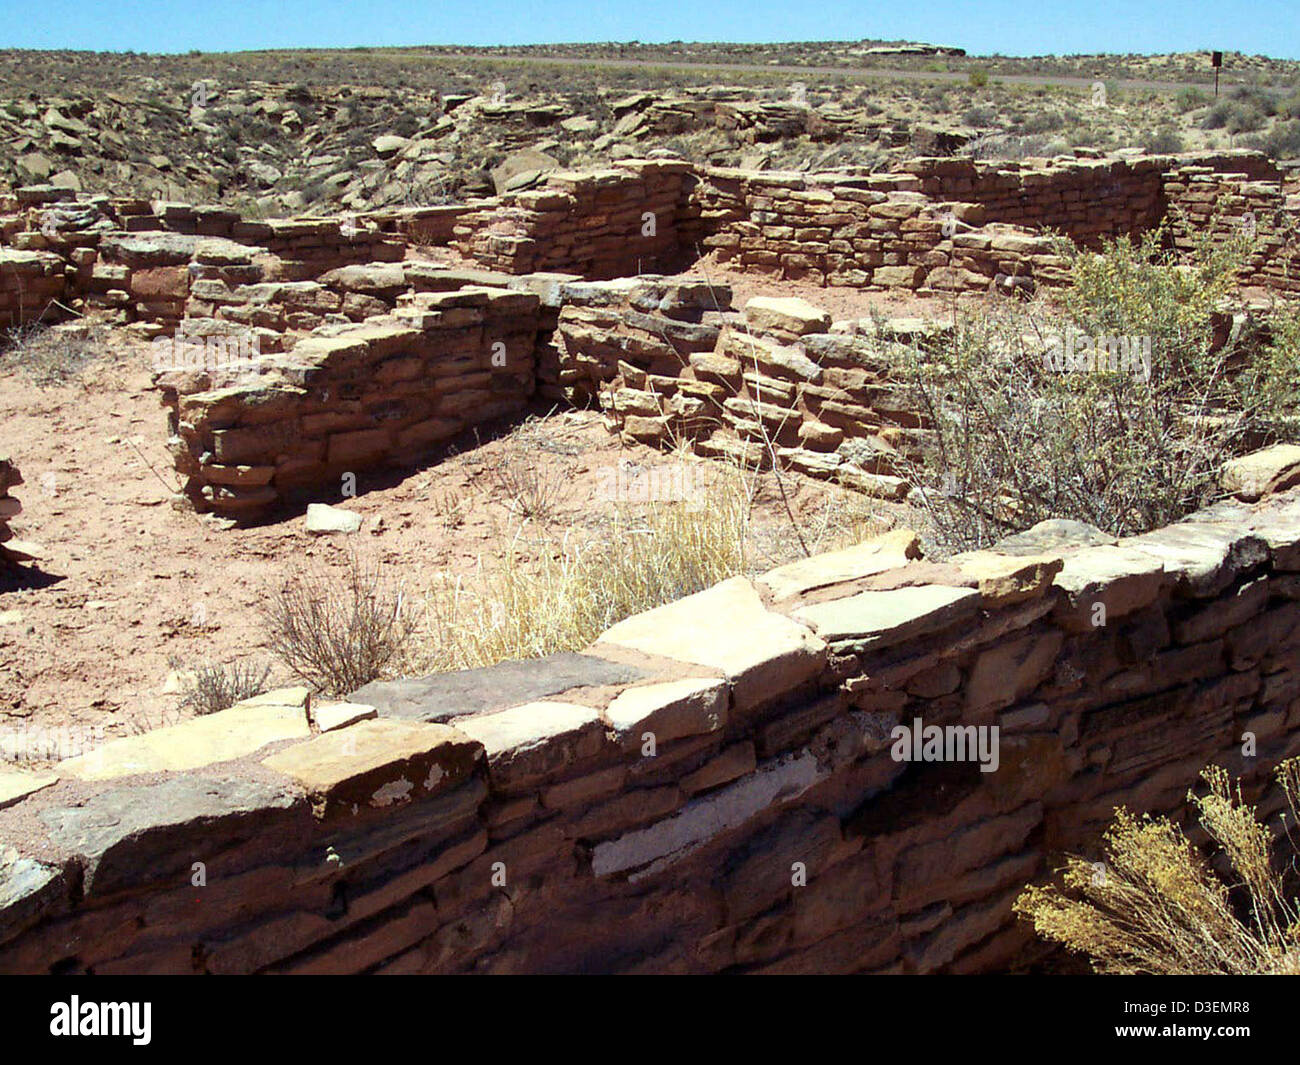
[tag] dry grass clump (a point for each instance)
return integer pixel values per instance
(1156, 904)
(52, 355)
(646, 555)
(216, 687)
(338, 631)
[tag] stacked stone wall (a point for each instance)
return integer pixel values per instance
(718, 785)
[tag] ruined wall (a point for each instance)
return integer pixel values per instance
(12, 550)
(29, 281)
(778, 382)
(250, 434)
(599, 224)
(873, 233)
(713, 786)
(1208, 203)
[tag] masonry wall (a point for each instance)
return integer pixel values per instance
(348, 398)
(711, 787)
(599, 224)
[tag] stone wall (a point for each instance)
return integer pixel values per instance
(599, 224)
(349, 397)
(1219, 206)
(713, 786)
(872, 233)
(779, 382)
(29, 281)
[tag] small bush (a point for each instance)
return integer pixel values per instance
(219, 687)
(338, 632)
(1016, 442)
(1163, 141)
(978, 79)
(1190, 99)
(52, 355)
(1155, 904)
(1280, 141)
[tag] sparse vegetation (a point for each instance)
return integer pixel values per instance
(1155, 904)
(338, 632)
(216, 687)
(1017, 442)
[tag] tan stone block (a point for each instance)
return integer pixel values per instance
(1003, 580)
(377, 764)
(670, 711)
(878, 555)
(530, 741)
(220, 737)
(726, 627)
(17, 784)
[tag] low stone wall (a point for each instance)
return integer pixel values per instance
(1206, 203)
(599, 224)
(745, 780)
(29, 281)
(348, 398)
(874, 233)
(778, 382)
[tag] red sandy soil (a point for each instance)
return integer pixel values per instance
(130, 582)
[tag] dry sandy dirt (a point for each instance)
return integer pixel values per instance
(134, 588)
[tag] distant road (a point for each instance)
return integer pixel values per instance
(856, 72)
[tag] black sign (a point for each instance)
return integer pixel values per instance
(1216, 59)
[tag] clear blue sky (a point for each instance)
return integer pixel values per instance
(1011, 27)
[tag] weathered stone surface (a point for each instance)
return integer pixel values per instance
(527, 742)
(1261, 473)
(27, 890)
(1203, 558)
(668, 710)
(1051, 537)
(377, 764)
(727, 627)
(220, 737)
(1004, 580)
(652, 849)
(886, 552)
(443, 696)
(328, 716)
(788, 314)
(322, 518)
(1120, 579)
(17, 784)
(882, 619)
(131, 835)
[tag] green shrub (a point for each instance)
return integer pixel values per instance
(1016, 442)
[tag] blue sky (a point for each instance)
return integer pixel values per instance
(1011, 27)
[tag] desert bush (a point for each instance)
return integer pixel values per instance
(980, 115)
(213, 688)
(338, 631)
(1280, 141)
(1016, 441)
(978, 79)
(645, 556)
(50, 355)
(1189, 99)
(1162, 141)
(1235, 116)
(1157, 905)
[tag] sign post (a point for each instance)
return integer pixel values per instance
(1216, 61)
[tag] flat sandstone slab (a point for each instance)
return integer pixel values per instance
(881, 619)
(377, 763)
(222, 737)
(878, 555)
(726, 627)
(17, 784)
